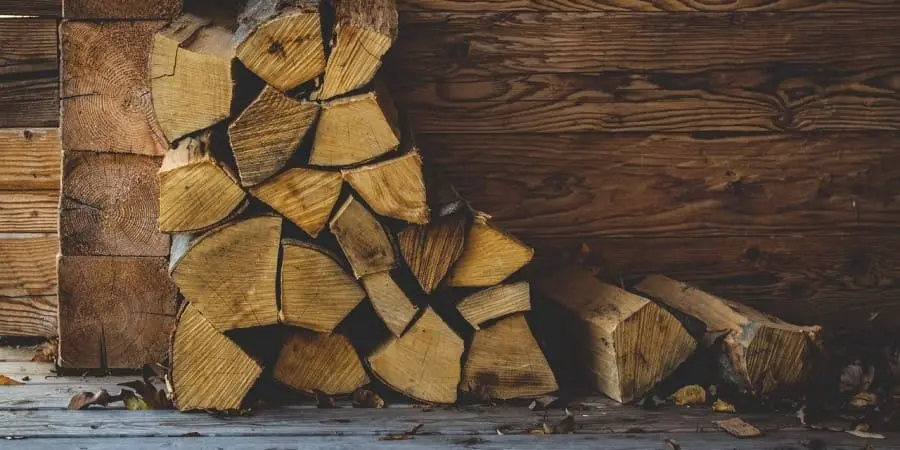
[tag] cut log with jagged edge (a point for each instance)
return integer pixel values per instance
(302, 212)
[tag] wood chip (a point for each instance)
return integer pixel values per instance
(738, 428)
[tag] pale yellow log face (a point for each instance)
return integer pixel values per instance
(390, 302)
(196, 197)
(364, 240)
(354, 60)
(306, 197)
(320, 363)
(489, 257)
(287, 51)
(353, 131)
(393, 188)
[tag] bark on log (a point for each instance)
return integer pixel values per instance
(393, 188)
(306, 197)
(489, 256)
(627, 342)
(317, 363)
(759, 353)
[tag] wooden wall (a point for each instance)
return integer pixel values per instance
(748, 146)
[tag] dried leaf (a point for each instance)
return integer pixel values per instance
(405, 436)
(87, 399)
(540, 404)
(723, 407)
(863, 400)
(153, 397)
(566, 425)
(135, 403)
(690, 395)
(364, 398)
(7, 381)
(672, 444)
(46, 352)
(865, 434)
(738, 428)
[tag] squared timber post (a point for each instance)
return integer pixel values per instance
(116, 300)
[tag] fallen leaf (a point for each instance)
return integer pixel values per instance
(405, 436)
(7, 381)
(723, 407)
(864, 399)
(364, 398)
(540, 404)
(565, 426)
(136, 403)
(690, 395)
(672, 444)
(738, 428)
(46, 352)
(154, 398)
(85, 400)
(864, 434)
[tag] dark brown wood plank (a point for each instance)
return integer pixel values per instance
(28, 266)
(121, 9)
(794, 99)
(28, 316)
(646, 5)
(110, 206)
(608, 185)
(29, 159)
(525, 42)
(29, 93)
(850, 282)
(114, 313)
(106, 101)
(29, 211)
(43, 8)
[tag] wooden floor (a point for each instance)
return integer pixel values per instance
(33, 415)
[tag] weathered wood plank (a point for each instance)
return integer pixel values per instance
(29, 92)
(43, 8)
(511, 43)
(26, 369)
(29, 159)
(54, 392)
(850, 282)
(121, 9)
(593, 185)
(646, 5)
(114, 313)
(28, 211)
(28, 316)
(106, 101)
(110, 206)
(697, 441)
(28, 267)
(468, 421)
(799, 99)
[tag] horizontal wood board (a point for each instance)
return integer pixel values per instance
(29, 73)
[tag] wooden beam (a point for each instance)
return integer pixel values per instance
(29, 211)
(643, 5)
(114, 312)
(601, 185)
(28, 316)
(28, 267)
(29, 75)
(121, 9)
(43, 8)
(106, 102)
(29, 159)
(110, 205)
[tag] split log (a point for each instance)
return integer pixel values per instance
(208, 371)
(317, 363)
(760, 353)
(196, 192)
(495, 303)
(628, 342)
(316, 291)
(424, 363)
(191, 76)
(505, 362)
(281, 41)
(229, 273)
(355, 130)
(365, 242)
(393, 188)
(306, 197)
(266, 134)
(430, 250)
(391, 304)
(490, 256)
(364, 31)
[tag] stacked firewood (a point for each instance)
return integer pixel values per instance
(295, 195)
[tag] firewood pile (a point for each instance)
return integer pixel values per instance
(296, 196)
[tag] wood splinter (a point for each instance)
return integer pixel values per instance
(191, 73)
(495, 302)
(320, 363)
(316, 292)
(306, 197)
(763, 353)
(490, 256)
(195, 191)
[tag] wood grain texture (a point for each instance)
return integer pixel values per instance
(29, 159)
(106, 101)
(773, 98)
(592, 185)
(110, 206)
(28, 316)
(528, 42)
(645, 5)
(28, 267)
(841, 282)
(29, 211)
(44, 8)
(320, 363)
(114, 313)
(121, 9)
(28, 73)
